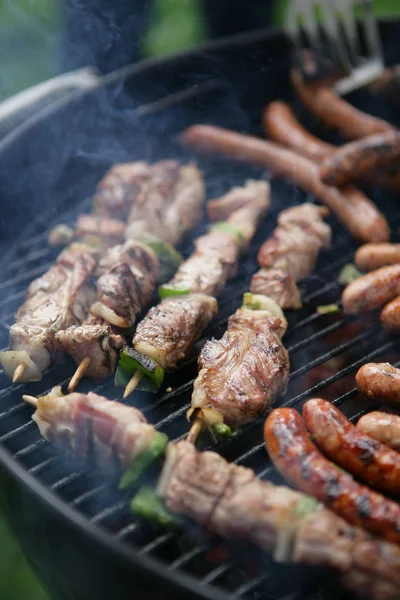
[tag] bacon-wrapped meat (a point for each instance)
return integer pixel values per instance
(232, 502)
(241, 374)
(169, 329)
(86, 425)
(56, 300)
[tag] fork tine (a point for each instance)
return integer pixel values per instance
(371, 30)
(332, 26)
(346, 8)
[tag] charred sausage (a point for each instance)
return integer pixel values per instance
(372, 291)
(303, 465)
(362, 456)
(383, 427)
(357, 213)
(373, 256)
(352, 161)
(390, 315)
(380, 382)
(336, 112)
(281, 125)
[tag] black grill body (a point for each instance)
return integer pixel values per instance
(74, 527)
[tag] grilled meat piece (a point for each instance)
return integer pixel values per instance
(204, 274)
(120, 188)
(169, 205)
(278, 285)
(105, 231)
(241, 374)
(127, 278)
(56, 300)
(296, 242)
(231, 501)
(253, 193)
(91, 424)
(98, 340)
(168, 331)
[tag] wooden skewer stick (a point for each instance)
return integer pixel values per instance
(132, 383)
(79, 373)
(194, 431)
(19, 372)
(30, 400)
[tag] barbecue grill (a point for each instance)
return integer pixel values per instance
(73, 525)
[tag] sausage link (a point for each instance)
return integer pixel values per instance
(353, 161)
(336, 112)
(390, 315)
(380, 382)
(372, 291)
(282, 126)
(373, 256)
(383, 427)
(362, 456)
(357, 213)
(303, 465)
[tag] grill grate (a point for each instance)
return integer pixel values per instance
(325, 351)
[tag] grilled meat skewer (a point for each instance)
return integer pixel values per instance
(242, 373)
(230, 501)
(167, 332)
(56, 300)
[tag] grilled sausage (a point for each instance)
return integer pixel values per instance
(362, 456)
(380, 382)
(383, 427)
(281, 125)
(390, 315)
(352, 161)
(372, 291)
(357, 213)
(336, 112)
(303, 465)
(373, 256)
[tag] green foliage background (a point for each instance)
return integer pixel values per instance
(29, 38)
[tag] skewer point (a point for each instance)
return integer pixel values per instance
(79, 373)
(30, 399)
(194, 431)
(19, 372)
(132, 383)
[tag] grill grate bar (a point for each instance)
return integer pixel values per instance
(31, 448)
(89, 494)
(250, 585)
(67, 480)
(109, 511)
(215, 573)
(161, 540)
(14, 432)
(320, 334)
(43, 465)
(127, 530)
(187, 557)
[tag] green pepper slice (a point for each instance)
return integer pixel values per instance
(143, 461)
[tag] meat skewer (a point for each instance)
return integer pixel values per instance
(383, 427)
(361, 455)
(303, 465)
(91, 426)
(229, 500)
(241, 374)
(356, 212)
(281, 124)
(127, 273)
(168, 331)
(380, 382)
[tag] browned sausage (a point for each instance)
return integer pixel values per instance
(362, 456)
(282, 126)
(390, 315)
(303, 465)
(373, 256)
(371, 291)
(357, 213)
(353, 161)
(380, 382)
(383, 427)
(336, 112)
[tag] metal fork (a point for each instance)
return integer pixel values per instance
(327, 36)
